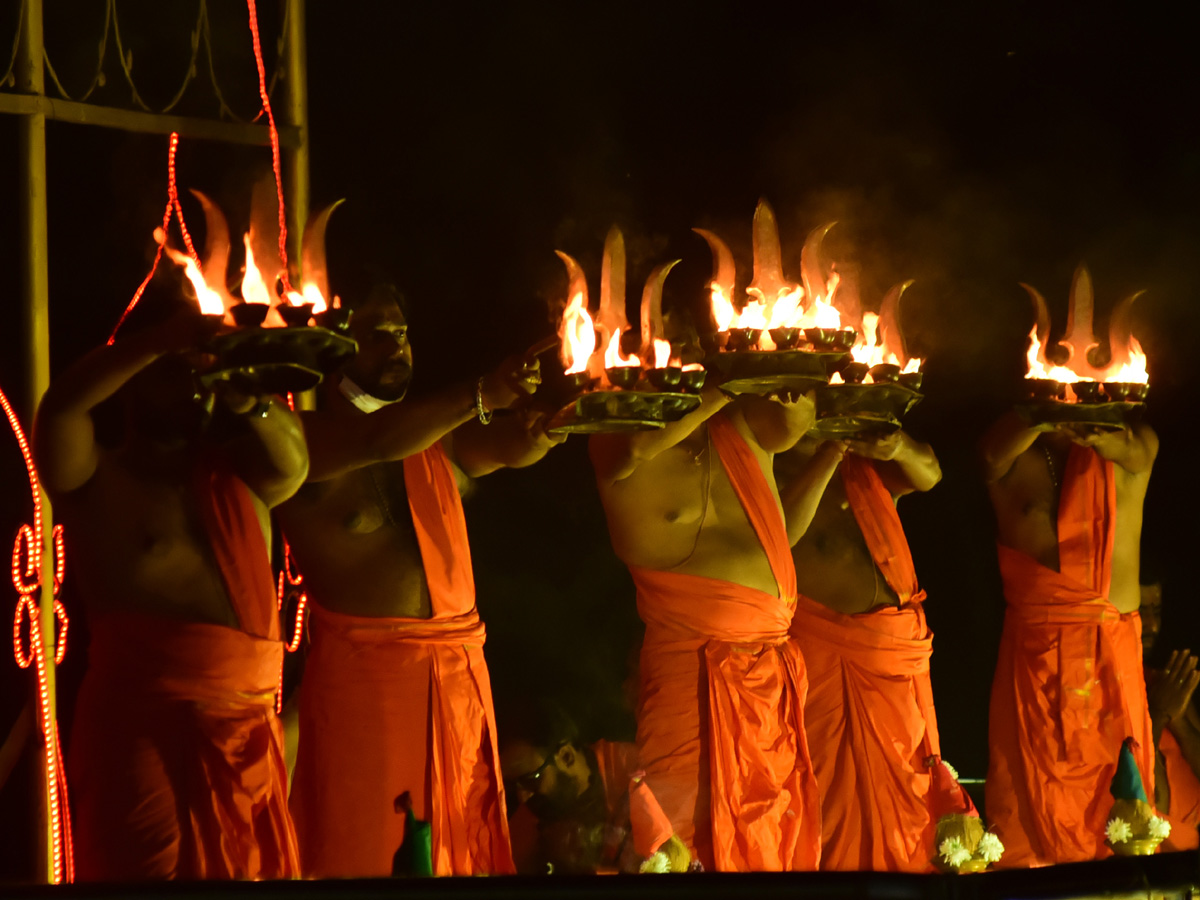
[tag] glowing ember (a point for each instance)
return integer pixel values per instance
(662, 353)
(613, 358)
(579, 336)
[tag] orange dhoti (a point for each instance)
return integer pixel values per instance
(1068, 687)
(1184, 812)
(176, 760)
(870, 705)
(721, 713)
(390, 705)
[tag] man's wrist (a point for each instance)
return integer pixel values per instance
(482, 410)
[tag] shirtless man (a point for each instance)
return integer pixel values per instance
(694, 512)
(1069, 686)
(1175, 720)
(395, 696)
(177, 767)
(861, 625)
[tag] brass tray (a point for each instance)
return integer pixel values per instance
(317, 349)
(616, 411)
(849, 410)
(1114, 415)
(266, 378)
(765, 371)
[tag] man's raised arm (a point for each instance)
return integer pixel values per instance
(1009, 437)
(617, 456)
(904, 463)
(779, 421)
(339, 444)
(269, 455)
(802, 493)
(1133, 448)
(64, 434)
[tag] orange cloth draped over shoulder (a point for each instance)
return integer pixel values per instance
(390, 705)
(1068, 687)
(870, 704)
(1184, 812)
(721, 717)
(177, 766)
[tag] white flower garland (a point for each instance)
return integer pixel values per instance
(1160, 828)
(990, 848)
(954, 854)
(1118, 831)
(658, 864)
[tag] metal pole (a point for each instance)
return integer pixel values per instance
(35, 289)
(296, 170)
(296, 113)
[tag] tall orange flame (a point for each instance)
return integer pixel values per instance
(579, 335)
(612, 354)
(210, 301)
(254, 289)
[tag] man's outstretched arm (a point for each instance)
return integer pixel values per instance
(338, 444)
(64, 436)
(511, 441)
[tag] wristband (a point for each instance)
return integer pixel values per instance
(485, 414)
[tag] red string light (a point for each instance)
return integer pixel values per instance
(27, 563)
(173, 207)
(274, 134)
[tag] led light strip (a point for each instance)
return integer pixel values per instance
(28, 548)
(172, 207)
(275, 164)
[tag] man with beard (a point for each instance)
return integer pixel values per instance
(860, 623)
(694, 513)
(395, 697)
(177, 767)
(1068, 688)
(583, 809)
(1175, 721)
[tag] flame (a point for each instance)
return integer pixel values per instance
(1036, 368)
(612, 354)
(722, 308)
(1135, 369)
(662, 353)
(311, 294)
(836, 378)
(868, 350)
(579, 336)
(210, 301)
(786, 310)
(693, 367)
(254, 289)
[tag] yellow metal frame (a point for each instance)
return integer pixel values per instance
(33, 108)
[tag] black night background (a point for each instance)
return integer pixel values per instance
(967, 146)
